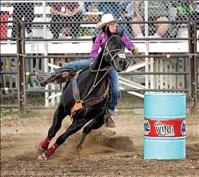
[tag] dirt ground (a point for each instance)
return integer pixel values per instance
(113, 152)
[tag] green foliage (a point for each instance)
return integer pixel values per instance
(29, 114)
(7, 111)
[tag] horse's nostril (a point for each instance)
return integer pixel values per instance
(121, 62)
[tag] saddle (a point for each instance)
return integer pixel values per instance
(68, 75)
(85, 102)
(81, 103)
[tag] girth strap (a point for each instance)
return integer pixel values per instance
(75, 89)
(76, 95)
(96, 100)
(93, 101)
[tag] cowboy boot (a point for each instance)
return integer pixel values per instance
(48, 79)
(63, 77)
(39, 75)
(45, 79)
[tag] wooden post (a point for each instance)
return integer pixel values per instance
(20, 61)
(193, 64)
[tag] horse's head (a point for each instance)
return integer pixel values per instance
(114, 53)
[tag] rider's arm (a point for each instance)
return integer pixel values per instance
(127, 42)
(53, 10)
(96, 46)
(137, 8)
(80, 7)
(56, 9)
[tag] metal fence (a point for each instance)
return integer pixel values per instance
(167, 63)
(91, 11)
(175, 72)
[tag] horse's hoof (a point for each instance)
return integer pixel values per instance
(42, 156)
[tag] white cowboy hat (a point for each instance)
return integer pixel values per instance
(106, 18)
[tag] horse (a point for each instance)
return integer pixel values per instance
(85, 97)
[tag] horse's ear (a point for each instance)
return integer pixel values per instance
(93, 38)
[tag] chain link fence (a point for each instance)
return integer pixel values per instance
(91, 11)
(132, 15)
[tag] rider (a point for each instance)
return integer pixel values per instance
(107, 27)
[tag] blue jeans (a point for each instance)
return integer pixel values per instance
(113, 76)
(115, 90)
(76, 65)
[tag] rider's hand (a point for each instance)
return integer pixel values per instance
(135, 50)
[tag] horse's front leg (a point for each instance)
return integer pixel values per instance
(96, 123)
(59, 115)
(73, 128)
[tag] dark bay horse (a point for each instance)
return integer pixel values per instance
(90, 84)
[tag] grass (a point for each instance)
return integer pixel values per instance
(29, 114)
(26, 114)
(5, 112)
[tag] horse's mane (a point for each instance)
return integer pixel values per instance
(114, 41)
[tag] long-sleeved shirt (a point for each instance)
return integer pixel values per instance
(102, 38)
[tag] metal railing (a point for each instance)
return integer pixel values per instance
(193, 73)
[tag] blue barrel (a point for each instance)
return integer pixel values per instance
(164, 126)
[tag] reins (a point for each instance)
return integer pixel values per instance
(76, 95)
(107, 69)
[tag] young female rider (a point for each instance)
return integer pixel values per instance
(108, 27)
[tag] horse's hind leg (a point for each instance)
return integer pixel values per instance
(96, 123)
(59, 115)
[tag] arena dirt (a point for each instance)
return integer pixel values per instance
(106, 153)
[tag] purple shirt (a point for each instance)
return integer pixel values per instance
(102, 38)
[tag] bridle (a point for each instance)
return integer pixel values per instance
(107, 69)
(107, 52)
(117, 52)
